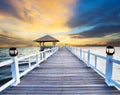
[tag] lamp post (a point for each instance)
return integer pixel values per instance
(13, 52)
(109, 65)
(110, 50)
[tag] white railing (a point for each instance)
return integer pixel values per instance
(102, 65)
(15, 65)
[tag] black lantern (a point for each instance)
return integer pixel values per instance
(110, 50)
(13, 51)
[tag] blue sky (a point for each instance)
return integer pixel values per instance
(96, 19)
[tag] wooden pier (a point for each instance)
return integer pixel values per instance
(62, 74)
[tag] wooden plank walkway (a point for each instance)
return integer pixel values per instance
(62, 74)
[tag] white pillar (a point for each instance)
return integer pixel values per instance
(29, 63)
(88, 61)
(37, 59)
(80, 54)
(109, 66)
(15, 71)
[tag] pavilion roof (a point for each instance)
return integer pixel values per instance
(47, 38)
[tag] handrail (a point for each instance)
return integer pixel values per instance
(14, 62)
(115, 61)
(109, 64)
(7, 62)
(7, 84)
(103, 57)
(27, 56)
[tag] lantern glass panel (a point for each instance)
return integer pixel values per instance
(11, 52)
(111, 50)
(16, 52)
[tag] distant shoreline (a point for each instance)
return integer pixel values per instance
(67, 45)
(94, 45)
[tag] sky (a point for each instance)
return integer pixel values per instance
(74, 22)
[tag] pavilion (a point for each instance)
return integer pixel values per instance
(46, 38)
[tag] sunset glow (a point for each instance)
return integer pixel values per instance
(75, 22)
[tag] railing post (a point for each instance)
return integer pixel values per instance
(71, 49)
(37, 59)
(15, 71)
(75, 51)
(48, 53)
(109, 66)
(52, 50)
(45, 55)
(80, 54)
(88, 61)
(42, 55)
(29, 63)
(95, 61)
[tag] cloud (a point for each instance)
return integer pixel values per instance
(114, 42)
(98, 21)
(10, 39)
(100, 31)
(7, 9)
(49, 11)
(26, 20)
(48, 16)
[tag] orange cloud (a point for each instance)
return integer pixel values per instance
(8, 39)
(30, 19)
(52, 14)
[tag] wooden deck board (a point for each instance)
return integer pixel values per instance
(62, 74)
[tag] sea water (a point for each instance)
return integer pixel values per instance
(4, 52)
(5, 71)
